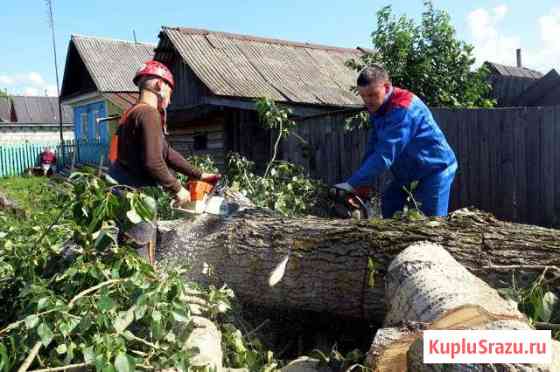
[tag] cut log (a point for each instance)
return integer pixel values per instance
(427, 288)
(330, 261)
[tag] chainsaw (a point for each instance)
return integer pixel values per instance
(206, 197)
(347, 204)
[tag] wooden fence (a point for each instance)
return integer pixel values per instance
(16, 158)
(509, 158)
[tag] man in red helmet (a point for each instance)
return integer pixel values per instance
(143, 156)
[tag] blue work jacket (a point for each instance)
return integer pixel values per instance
(405, 138)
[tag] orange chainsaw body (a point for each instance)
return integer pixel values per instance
(198, 189)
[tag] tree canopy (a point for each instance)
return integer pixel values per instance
(428, 59)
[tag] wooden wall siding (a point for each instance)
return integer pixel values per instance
(246, 136)
(192, 90)
(181, 137)
(509, 158)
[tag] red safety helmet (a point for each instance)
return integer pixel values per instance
(157, 69)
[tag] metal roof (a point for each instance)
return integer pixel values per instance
(504, 70)
(38, 110)
(248, 66)
(5, 109)
(508, 82)
(112, 63)
(541, 92)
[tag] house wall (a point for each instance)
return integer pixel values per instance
(33, 133)
(112, 125)
(185, 136)
(85, 126)
(192, 92)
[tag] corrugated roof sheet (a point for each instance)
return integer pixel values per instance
(248, 66)
(39, 110)
(513, 71)
(5, 109)
(541, 91)
(122, 100)
(112, 63)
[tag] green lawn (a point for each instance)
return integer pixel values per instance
(33, 194)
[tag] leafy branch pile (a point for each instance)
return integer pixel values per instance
(286, 189)
(70, 294)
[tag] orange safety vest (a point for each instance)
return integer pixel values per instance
(114, 145)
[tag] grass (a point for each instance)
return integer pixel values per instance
(39, 197)
(26, 191)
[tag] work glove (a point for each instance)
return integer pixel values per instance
(345, 186)
(182, 197)
(210, 177)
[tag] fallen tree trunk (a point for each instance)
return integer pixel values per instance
(331, 261)
(427, 289)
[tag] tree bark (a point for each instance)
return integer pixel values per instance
(327, 269)
(426, 286)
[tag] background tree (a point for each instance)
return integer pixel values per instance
(428, 59)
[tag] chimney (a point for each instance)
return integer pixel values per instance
(518, 52)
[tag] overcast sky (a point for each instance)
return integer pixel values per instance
(495, 28)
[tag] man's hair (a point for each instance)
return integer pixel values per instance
(372, 74)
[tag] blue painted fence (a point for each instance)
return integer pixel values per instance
(15, 158)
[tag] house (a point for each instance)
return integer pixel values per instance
(543, 92)
(219, 75)
(33, 119)
(5, 109)
(508, 82)
(97, 83)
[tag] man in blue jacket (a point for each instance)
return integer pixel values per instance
(406, 139)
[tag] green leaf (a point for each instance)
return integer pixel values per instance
(45, 334)
(372, 270)
(105, 303)
(42, 303)
(133, 216)
(68, 326)
(123, 320)
(31, 321)
(140, 311)
(61, 349)
(179, 317)
(549, 301)
(123, 363)
(156, 316)
(103, 240)
(89, 354)
(4, 360)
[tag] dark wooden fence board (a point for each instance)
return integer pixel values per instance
(509, 158)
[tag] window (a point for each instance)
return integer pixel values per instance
(200, 141)
(96, 126)
(84, 126)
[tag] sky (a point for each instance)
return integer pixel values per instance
(496, 28)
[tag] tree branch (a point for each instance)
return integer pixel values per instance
(27, 362)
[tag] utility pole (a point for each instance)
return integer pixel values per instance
(51, 25)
